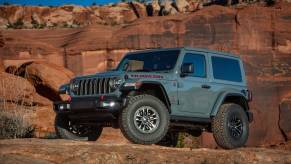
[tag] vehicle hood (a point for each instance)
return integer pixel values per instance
(130, 75)
(102, 74)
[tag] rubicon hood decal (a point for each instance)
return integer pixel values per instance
(152, 76)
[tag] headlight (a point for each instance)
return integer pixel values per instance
(115, 83)
(74, 86)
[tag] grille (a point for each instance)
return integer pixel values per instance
(92, 86)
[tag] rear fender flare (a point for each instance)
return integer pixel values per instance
(223, 97)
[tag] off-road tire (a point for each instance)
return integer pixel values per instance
(62, 131)
(221, 126)
(126, 120)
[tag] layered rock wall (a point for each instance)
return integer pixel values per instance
(72, 16)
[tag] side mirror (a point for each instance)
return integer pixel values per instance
(187, 68)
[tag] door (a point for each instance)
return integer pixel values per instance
(195, 92)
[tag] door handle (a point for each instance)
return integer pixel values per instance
(205, 86)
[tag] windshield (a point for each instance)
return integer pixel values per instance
(149, 61)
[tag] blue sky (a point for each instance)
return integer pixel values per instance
(57, 2)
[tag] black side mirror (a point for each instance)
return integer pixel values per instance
(187, 68)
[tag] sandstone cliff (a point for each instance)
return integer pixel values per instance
(72, 16)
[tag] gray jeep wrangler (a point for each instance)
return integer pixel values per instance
(154, 94)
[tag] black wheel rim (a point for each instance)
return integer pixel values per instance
(235, 126)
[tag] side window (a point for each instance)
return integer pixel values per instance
(226, 69)
(198, 62)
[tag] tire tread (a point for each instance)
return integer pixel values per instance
(219, 128)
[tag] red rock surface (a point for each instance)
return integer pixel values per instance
(49, 78)
(259, 35)
(72, 16)
(65, 151)
(19, 95)
(285, 115)
(33, 88)
(139, 9)
(18, 90)
(1, 45)
(1, 65)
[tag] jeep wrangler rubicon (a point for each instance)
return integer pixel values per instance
(154, 94)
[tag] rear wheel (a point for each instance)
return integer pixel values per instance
(230, 126)
(67, 129)
(145, 120)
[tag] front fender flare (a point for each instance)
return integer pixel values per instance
(160, 85)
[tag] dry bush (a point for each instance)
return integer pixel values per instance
(15, 102)
(15, 89)
(186, 140)
(14, 125)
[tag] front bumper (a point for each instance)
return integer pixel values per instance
(108, 104)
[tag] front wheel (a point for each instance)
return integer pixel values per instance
(145, 120)
(67, 129)
(230, 126)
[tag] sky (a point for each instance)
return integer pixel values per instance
(57, 2)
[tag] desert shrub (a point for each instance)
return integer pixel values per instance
(66, 25)
(181, 138)
(37, 25)
(34, 23)
(14, 125)
(186, 140)
(15, 102)
(16, 25)
(41, 26)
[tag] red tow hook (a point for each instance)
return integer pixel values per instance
(101, 98)
(69, 99)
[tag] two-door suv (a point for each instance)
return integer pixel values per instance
(154, 94)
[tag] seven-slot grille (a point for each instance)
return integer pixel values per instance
(92, 86)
